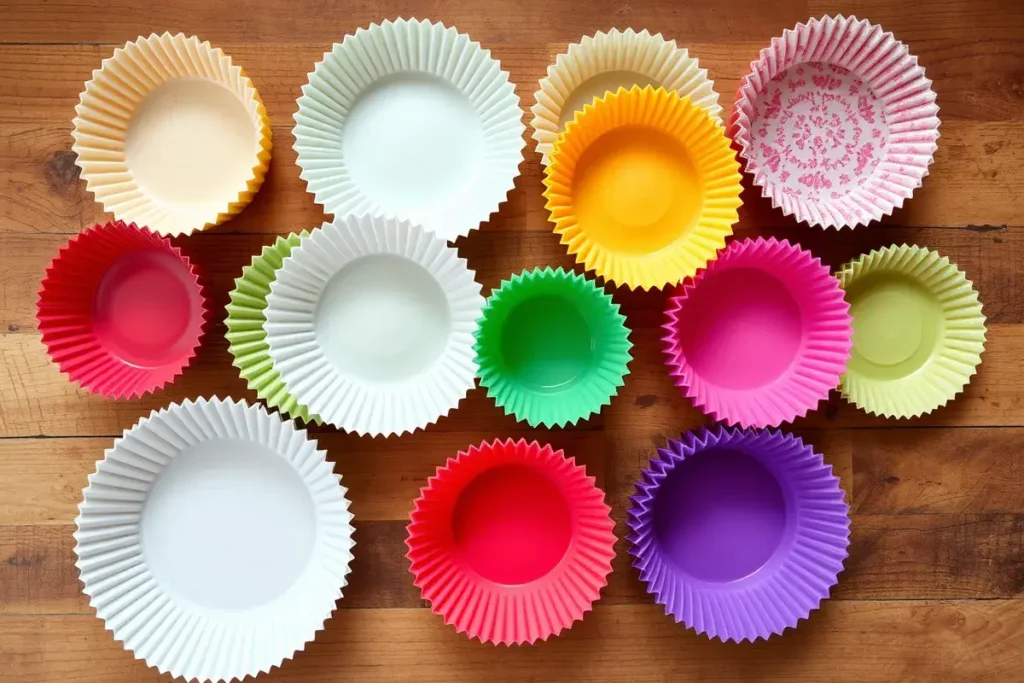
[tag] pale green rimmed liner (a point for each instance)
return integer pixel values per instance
(918, 331)
(552, 347)
(246, 337)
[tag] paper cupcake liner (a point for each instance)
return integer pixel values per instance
(761, 336)
(411, 119)
(176, 526)
(738, 534)
(836, 122)
(552, 347)
(164, 172)
(370, 323)
(605, 62)
(665, 218)
(247, 340)
(918, 331)
(511, 542)
(121, 311)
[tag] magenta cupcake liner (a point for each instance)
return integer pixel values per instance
(836, 122)
(760, 336)
(739, 534)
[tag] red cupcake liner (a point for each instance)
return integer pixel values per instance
(121, 310)
(511, 542)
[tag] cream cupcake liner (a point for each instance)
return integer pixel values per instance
(412, 119)
(118, 134)
(606, 61)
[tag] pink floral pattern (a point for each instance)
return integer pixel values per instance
(819, 132)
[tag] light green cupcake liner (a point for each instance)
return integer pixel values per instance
(247, 340)
(552, 347)
(918, 331)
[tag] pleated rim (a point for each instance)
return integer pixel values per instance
(947, 372)
(822, 355)
(895, 78)
(112, 97)
(357, 404)
(510, 614)
(65, 305)
(171, 633)
(587, 394)
(246, 336)
(362, 60)
(710, 153)
(651, 57)
(800, 573)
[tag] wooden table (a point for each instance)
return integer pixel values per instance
(934, 586)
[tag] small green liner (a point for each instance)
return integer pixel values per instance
(246, 337)
(552, 347)
(918, 331)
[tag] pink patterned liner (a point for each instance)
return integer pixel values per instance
(853, 181)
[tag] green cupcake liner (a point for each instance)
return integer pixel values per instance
(918, 331)
(552, 347)
(247, 340)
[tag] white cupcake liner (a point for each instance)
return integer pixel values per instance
(370, 323)
(849, 159)
(604, 62)
(159, 189)
(214, 539)
(411, 119)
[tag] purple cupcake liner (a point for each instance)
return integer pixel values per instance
(738, 533)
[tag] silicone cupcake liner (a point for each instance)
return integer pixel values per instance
(552, 347)
(176, 526)
(370, 323)
(738, 534)
(121, 311)
(511, 542)
(761, 336)
(643, 187)
(606, 61)
(836, 122)
(171, 134)
(411, 119)
(246, 337)
(918, 331)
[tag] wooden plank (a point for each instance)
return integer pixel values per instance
(281, 21)
(42, 192)
(41, 479)
(906, 641)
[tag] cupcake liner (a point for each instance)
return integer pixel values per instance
(370, 323)
(761, 336)
(605, 62)
(411, 119)
(918, 331)
(171, 134)
(738, 534)
(247, 340)
(121, 310)
(666, 214)
(552, 347)
(177, 523)
(836, 122)
(511, 542)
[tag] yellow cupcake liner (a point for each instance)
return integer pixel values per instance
(172, 135)
(606, 61)
(918, 331)
(643, 187)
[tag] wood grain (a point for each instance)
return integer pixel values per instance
(892, 642)
(933, 586)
